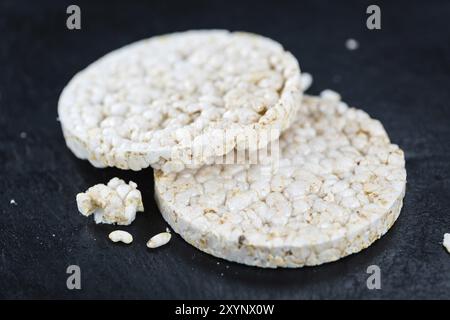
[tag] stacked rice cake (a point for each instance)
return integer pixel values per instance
(328, 187)
(337, 187)
(179, 100)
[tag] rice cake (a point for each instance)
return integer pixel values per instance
(154, 102)
(338, 187)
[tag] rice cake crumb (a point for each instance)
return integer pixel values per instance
(159, 240)
(114, 203)
(121, 236)
(446, 242)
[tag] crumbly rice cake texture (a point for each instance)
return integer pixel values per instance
(153, 102)
(339, 187)
(114, 203)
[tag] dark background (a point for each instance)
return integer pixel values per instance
(400, 75)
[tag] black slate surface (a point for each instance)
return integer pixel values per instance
(400, 75)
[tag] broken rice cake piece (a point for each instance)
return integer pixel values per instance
(114, 203)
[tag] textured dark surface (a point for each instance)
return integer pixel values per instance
(400, 75)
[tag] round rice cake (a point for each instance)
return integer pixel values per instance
(179, 100)
(338, 186)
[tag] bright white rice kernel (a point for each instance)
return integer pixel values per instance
(328, 94)
(155, 102)
(339, 186)
(115, 203)
(306, 80)
(446, 242)
(159, 240)
(121, 236)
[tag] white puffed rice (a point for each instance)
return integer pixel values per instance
(446, 242)
(331, 195)
(116, 202)
(159, 240)
(330, 95)
(306, 80)
(121, 236)
(160, 100)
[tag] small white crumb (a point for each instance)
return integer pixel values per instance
(23, 135)
(167, 230)
(53, 235)
(159, 240)
(122, 236)
(13, 202)
(221, 274)
(446, 242)
(328, 94)
(306, 80)
(351, 44)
